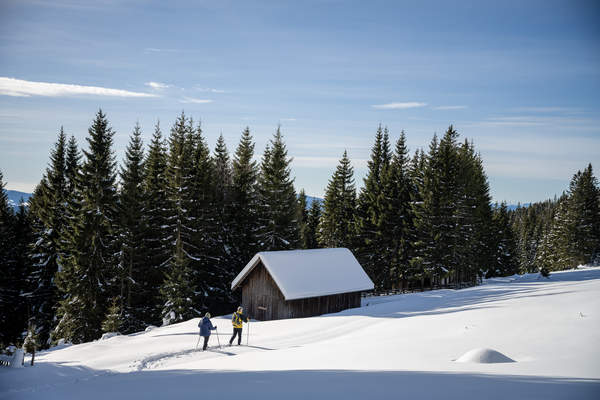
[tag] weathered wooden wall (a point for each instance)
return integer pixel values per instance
(263, 300)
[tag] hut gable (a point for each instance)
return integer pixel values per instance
(301, 274)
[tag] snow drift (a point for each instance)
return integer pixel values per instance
(398, 346)
(484, 356)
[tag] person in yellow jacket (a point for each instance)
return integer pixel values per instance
(237, 319)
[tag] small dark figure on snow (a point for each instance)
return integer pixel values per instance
(237, 319)
(205, 327)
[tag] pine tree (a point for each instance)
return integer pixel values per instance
(132, 229)
(183, 222)
(177, 291)
(157, 239)
(395, 223)
(504, 260)
(278, 219)
(584, 217)
(8, 290)
(311, 234)
(368, 247)
(244, 197)
(206, 256)
(302, 217)
(476, 245)
(89, 274)
(113, 320)
(48, 210)
(15, 236)
(222, 209)
(339, 207)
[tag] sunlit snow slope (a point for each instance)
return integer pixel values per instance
(393, 347)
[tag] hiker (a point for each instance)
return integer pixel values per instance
(237, 319)
(205, 327)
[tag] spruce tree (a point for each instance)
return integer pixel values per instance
(48, 212)
(206, 256)
(15, 236)
(181, 222)
(368, 247)
(8, 290)
(584, 217)
(132, 230)
(114, 317)
(244, 198)
(504, 257)
(222, 209)
(311, 234)
(157, 240)
(88, 277)
(278, 217)
(395, 223)
(339, 207)
(302, 217)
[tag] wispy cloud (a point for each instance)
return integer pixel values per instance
(288, 119)
(194, 100)
(399, 106)
(210, 90)
(544, 110)
(20, 88)
(157, 50)
(450, 107)
(157, 85)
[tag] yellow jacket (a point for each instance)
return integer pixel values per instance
(237, 319)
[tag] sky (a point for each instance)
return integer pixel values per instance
(519, 79)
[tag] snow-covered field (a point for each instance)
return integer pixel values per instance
(393, 347)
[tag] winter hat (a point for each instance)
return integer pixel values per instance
(240, 308)
(207, 315)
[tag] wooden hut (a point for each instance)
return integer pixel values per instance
(301, 283)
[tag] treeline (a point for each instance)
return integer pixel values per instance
(562, 233)
(159, 239)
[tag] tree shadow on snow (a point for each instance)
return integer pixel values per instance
(444, 301)
(315, 384)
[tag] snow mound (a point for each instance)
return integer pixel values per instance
(484, 356)
(109, 335)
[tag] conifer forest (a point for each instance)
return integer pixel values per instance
(107, 245)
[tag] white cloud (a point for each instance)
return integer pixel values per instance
(288, 119)
(21, 88)
(157, 85)
(548, 109)
(450, 107)
(399, 106)
(210, 90)
(195, 101)
(157, 50)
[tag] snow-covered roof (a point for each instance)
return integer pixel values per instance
(301, 274)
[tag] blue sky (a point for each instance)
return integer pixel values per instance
(521, 79)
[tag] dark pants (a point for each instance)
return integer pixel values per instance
(238, 332)
(205, 342)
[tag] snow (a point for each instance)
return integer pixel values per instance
(310, 273)
(399, 346)
(485, 356)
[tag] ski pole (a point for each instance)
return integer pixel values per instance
(218, 340)
(198, 342)
(248, 334)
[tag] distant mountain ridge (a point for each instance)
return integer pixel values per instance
(15, 197)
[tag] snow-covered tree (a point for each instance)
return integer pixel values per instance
(88, 277)
(277, 198)
(157, 239)
(132, 230)
(339, 207)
